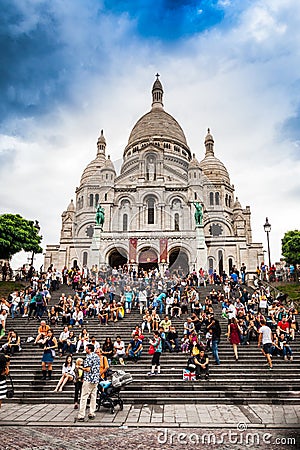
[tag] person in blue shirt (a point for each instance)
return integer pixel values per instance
(234, 278)
(128, 296)
(160, 301)
(134, 349)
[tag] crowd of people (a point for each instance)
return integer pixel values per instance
(161, 300)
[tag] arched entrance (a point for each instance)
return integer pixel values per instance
(117, 257)
(148, 259)
(179, 261)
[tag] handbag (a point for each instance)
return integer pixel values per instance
(151, 350)
(10, 392)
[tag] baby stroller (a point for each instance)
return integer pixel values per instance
(108, 394)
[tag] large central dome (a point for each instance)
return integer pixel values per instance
(157, 123)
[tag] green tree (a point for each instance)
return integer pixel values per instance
(291, 247)
(17, 234)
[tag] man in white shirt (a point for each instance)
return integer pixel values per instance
(231, 311)
(119, 348)
(142, 300)
(62, 341)
(95, 343)
(265, 338)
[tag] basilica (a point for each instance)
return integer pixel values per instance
(148, 211)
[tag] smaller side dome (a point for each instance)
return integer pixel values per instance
(109, 164)
(211, 166)
(194, 163)
(237, 205)
(71, 206)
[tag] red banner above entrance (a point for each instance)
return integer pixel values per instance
(132, 250)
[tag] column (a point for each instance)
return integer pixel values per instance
(201, 255)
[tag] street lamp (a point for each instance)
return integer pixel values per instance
(37, 227)
(267, 228)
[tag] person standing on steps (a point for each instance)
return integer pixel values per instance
(265, 338)
(4, 372)
(215, 329)
(234, 333)
(49, 354)
(157, 344)
(91, 378)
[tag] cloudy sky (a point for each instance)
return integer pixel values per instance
(72, 67)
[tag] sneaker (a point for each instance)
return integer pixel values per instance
(76, 406)
(270, 367)
(151, 374)
(91, 416)
(80, 419)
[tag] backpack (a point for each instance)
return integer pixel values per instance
(191, 364)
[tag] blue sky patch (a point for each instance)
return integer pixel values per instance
(169, 20)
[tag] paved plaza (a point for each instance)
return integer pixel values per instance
(170, 415)
(52, 427)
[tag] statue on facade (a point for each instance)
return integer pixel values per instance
(100, 215)
(151, 169)
(198, 213)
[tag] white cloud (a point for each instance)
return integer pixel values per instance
(238, 82)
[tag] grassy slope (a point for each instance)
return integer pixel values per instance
(292, 290)
(7, 287)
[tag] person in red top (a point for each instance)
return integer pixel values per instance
(283, 326)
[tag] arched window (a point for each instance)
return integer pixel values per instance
(210, 265)
(176, 222)
(217, 198)
(230, 264)
(211, 198)
(105, 197)
(96, 199)
(229, 201)
(85, 258)
(195, 195)
(91, 199)
(150, 205)
(226, 199)
(125, 222)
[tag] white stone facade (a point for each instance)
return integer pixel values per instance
(149, 207)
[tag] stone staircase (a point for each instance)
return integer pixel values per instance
(245, 381)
